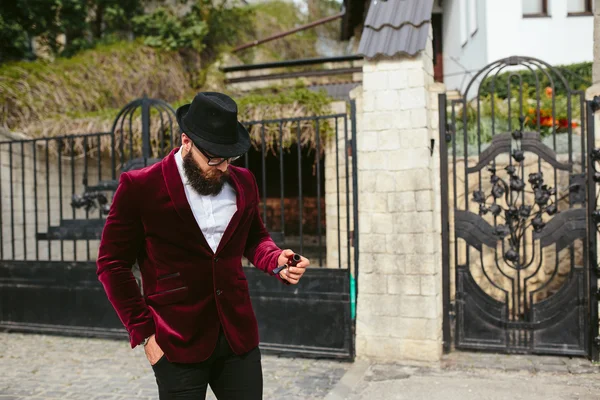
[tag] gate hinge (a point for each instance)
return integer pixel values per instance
(449, 133)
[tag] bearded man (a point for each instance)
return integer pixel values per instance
(188, 221)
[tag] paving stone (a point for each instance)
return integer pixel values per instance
(54, 367)
(552, 368)
(386, 372)
(546, 360)
(581, 369)
(518, 364)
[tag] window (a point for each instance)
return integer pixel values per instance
(535, 8)
(579, 7)
(473, 16)
(463, 22)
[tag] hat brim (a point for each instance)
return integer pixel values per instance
(241, 146)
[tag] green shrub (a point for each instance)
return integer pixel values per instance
(549, 106)
(578, 77)
(105, 77)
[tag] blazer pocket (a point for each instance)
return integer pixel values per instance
(169, 296)
(167, 276)
(243, 285)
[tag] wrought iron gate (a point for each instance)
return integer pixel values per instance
(519, 270)
(55, 194)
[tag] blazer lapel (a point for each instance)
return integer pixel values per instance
(177, 193)
(241, 205)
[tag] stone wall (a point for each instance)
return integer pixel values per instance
(596, 64)
(399, 315)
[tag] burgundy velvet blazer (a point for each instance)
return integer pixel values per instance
(189, 291)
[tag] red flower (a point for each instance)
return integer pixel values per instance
(564, 123)
(546, 121)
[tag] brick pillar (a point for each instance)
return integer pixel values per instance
(596, 65)
(399, 315)
(594, 90)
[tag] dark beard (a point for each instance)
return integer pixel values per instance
(208, 183)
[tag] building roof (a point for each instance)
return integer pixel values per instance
(396, 26)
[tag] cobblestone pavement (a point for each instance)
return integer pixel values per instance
(51, 367)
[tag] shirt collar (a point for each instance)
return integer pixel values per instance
(179, 162)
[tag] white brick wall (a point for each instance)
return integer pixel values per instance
(399, 302)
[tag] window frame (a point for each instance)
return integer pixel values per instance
(543, 14)
(464, 22)
(586, 13)
(472, 17)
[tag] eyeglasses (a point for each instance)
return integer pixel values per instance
(215, 161)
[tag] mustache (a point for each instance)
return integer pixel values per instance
(204, 182)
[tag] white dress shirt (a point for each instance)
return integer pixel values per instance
(212, 213)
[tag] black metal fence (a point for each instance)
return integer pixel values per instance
(38, 181)
(56, 191)
(55, 194)
(299, 181)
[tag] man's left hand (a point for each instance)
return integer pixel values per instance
(292, 274)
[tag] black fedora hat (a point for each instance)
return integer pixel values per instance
(210, 121)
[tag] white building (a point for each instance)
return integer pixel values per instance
(477, 32)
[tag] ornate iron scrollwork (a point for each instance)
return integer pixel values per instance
(595, 166)
(595, 214)
(91, 201)
(518, 218)
(521, 230)
(595, 156)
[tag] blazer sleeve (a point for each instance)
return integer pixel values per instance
(260, 249)
(122, 240)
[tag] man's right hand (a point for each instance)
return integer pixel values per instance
(153, 351)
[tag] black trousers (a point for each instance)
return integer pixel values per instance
(231, 377)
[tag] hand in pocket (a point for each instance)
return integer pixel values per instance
(153, 351)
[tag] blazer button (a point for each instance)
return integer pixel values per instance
(216, 259)
(219, 291)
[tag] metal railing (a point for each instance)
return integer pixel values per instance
(330, 136)
(55, 194)
(39, 178)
